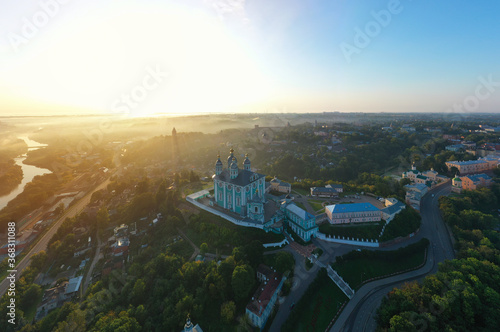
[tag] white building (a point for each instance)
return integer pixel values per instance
(260, 307)
(280, 186)
(414, 194)
(393, 207)
(300, 221)
(352, 213)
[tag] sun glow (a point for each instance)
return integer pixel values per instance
(97, 63)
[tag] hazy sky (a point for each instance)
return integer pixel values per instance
(192, 56)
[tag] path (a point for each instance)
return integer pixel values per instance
(344, 286)
(44, 240)
(301, 281)
(92, 265)
(359, 313)
(196, 249)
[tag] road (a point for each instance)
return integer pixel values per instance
(42, 243)
(95, 259)
(301, 281)
(360, 312)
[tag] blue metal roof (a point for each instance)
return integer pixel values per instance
(478, 177)
(355, 207)
(468, 162)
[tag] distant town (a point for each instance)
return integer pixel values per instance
(251, 222)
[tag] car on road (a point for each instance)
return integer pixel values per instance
(292, 305)
(432, 195)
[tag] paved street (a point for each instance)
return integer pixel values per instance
(359, 313)
(301, 280)
(42, 243)
(95, 259)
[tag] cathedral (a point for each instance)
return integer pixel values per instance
(239, 189)
(243, 192)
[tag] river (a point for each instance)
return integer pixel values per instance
(29, 172)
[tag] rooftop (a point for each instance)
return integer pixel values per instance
(304, 215)
(323, 190)
(394, 208)
(355, 207)
(468, 162)
(244, 177)
(478, 177)
(418, 186)
(199, 194)
(74, 284)
(264, 293)
(265, 270)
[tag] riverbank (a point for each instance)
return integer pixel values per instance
(11, 175)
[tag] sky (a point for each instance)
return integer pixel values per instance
(142, 58)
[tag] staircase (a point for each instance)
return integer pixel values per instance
(344, 286)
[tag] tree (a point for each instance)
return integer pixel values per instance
(242, 281)
(238, 254)
(254, 252)
(102, 218)
(203, 248)
(75, 322)
(284, 261)
(30, 297)
(193, 177)
(161, 194)
(227, 311)
(96, 195)
(122, 323)
(142, 186)
(38, 260)
(399, 323)
(138, 292)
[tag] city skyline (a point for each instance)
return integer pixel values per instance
(190, 57)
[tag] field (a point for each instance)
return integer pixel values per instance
(316, 205)
(317, 307)
(221, 235)
(355, 271)
(301, 191)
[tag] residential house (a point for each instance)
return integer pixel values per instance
(280, 186)
(263, 300)
(481, 165)
(456, 147)
(393, 207)
(471, 182)
(414, 194)
(330, 190)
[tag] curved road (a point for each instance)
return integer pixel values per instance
(359, 314)
(42, 243)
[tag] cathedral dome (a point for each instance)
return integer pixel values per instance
(231, 157)
(218, 162)
(234, 165)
